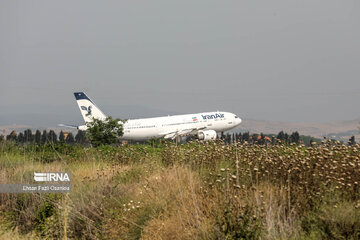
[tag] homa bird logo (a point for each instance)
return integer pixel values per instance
(88, 109)
(52, 177)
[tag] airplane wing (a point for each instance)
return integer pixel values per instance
(173, 134)
(69, 126)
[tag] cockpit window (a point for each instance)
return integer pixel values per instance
(236, 117)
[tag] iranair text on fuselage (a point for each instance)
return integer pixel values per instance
(213, 116)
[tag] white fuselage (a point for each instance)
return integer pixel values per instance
(205, 125)
(147, 128)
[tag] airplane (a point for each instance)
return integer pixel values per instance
(205, 125)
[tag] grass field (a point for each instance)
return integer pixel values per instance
(191, 191)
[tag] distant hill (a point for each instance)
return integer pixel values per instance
(32, 118)
(45, 116)
(338, 130)
(6, 129)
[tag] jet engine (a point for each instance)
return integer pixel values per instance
(82, 127)
(207, 135)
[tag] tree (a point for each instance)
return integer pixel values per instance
(52, 136)
(70, 138)
(228, 138)
(246, 136)
(20, 138)
(62, 136)
(262, 139)
(28, 136)
(281, 135)
(104, 132)
(80, 137)
(38, 137)
(12, 136)
(44, 137)
(286, 138)
(352, 141)
(295, 137)
(239, 137)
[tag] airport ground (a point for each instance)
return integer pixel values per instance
(189, 191)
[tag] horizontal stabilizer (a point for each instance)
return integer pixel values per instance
(68, 126)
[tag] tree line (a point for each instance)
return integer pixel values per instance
(281, 137)
(99, 132)
(45, 137)
(262, 138)
(50, 136)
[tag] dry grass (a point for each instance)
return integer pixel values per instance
(15, 235)
(192, 191)
(185, 211)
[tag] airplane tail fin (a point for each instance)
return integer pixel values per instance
(88, 108)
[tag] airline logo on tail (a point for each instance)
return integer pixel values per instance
(88, 109)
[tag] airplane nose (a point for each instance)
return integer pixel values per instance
(238, 121)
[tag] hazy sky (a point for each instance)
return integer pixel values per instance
(268, 60)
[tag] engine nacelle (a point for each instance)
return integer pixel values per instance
(207, 135)
(82, 127)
